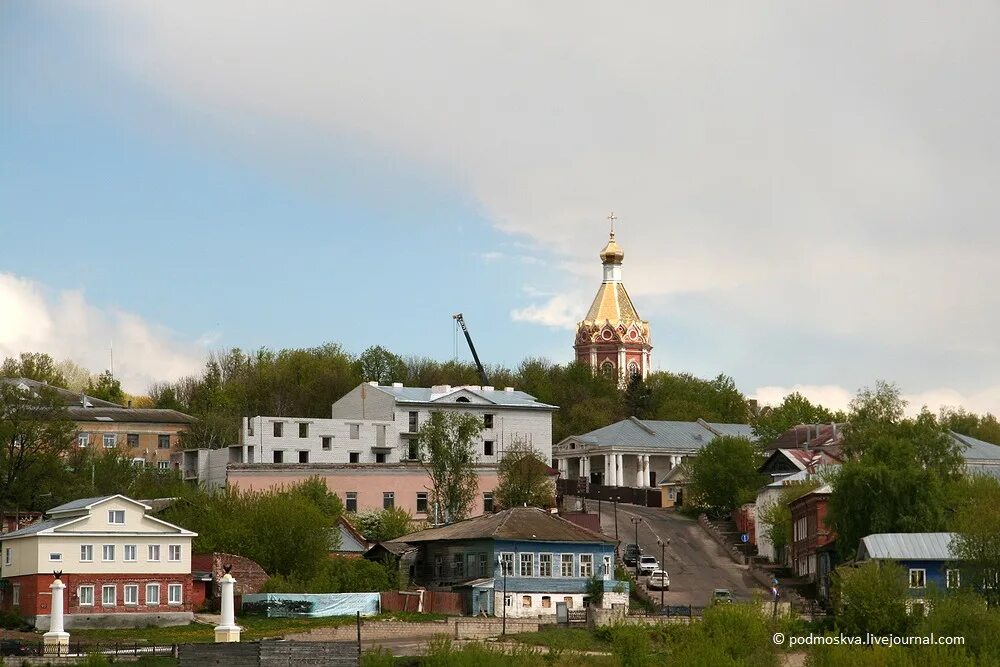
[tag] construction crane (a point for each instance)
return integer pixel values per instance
(479, 365)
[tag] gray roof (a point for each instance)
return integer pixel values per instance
(977, 450)
(668, 435)
(514, 399)
(133, 415)
(518, 523)
(38, 527)
(983, 470)
(78, 504)
(906, 546)
(68, 397)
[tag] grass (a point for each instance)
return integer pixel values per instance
(254, 627)
(573, 639)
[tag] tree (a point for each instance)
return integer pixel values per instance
(771, 422)
(35, 431)
(107, 388)
(34, 366)
(777, 518)
(524, 479)
(446, 452)
(985, 427)
(211, 430)
(380, 365)
(871, 598)
(723, 475)
(976, 523)
(638, 398)
(683, 397)
(383, 525)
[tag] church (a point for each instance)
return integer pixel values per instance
(612, 338)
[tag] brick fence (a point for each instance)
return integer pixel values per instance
(270, 654)
(456, 628)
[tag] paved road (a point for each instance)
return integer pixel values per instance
(696, 564)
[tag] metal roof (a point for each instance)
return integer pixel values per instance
(38, 527)
(906, 546)
(518, 523)
(133, 415)
(975, 449)
(68, 397)
(518, 399)
(87, 503)
(670, 435)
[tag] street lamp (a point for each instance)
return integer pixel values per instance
(635, 522)
(503, 570)
(663, 559)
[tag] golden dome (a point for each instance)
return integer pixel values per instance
(612, 253)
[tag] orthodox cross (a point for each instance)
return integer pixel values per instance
(612, 217)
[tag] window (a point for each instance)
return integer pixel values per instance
(304, 456)
(139, 462)
(163, 465)
(7, 556)
(439, 566)
(457, 565)
(413, 428)
(918, 578)
(487, 421)
(304, 429)
(608, 368)
(355, 431)
(154, 552)
(462, 399)
(116, 517)
(546, 602)
(86, 595)
(388, 500)
(413, 447)
(544, 565)
(110, 440)
(15, 592)
(152, 594)
(130, 552)
(163, 441)
(422, 502)
(354, 457)
(527, 565)
(607, 566)
(566, 565)
(132, 439)
(953, 580)
(131, 594)
(174, 594)
(508, 600)
(586, 565)
(488, 501)
(83, 439)
(55, 557)
(108, 596)
(483, 565)
(279, 429)
(379, 457)
(569, 602)
(507, 564)
(352, 501)
(487, 448)
(327, 442)
(278, 456)
(174, 553)
(86, 553)
(108, 552)
(525, 600)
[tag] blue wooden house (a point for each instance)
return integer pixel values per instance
(927, 557)
(524, 558)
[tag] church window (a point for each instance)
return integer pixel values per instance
(461, 399)
(608, 368)
(607, 334)
(633, 368)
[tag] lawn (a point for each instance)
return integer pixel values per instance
(573, 639)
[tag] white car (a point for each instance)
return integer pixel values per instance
(659, 579)
(648, 564)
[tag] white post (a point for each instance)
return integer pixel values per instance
(638, 472)
(56, 640)
(620, 474)
(227, 630)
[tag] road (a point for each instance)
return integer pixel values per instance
(697, 565)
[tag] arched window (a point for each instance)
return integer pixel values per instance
(608, 368)
(633, 369)
(462, 399)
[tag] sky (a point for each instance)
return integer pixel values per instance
(806, 193)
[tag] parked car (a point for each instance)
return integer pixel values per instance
(648, 564)
(659, 579)
(722, 596)
(631, 554)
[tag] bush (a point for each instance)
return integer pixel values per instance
(377, 657)
(11, 620)
(339, 574)
(383, 525)
(871, 598)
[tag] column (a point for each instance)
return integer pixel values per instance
(620, 465)
(645, 471)
(607, 470)
(56, 640)
(227, 630)
(580, 468)
(586, 467)
(639, 483)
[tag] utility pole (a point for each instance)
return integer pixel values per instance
(635, 522)
(503, 569)
(663, 559)
(615, 504)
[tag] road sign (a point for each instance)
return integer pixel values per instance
(744, 538)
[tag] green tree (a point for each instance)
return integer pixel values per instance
(984, 427)
(448, 456)
(523, 479)
(35, 432)
(383, 525)
(34, 366)
(106, 388)
(976, 524)
(683, 397)
(98, 473)
(776, 519)
(771, 422)
(380, 365)
(723, 475)
(871, 598)
(211, 430)
(638, 398)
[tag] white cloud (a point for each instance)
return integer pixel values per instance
(560, 311)
(67, 327)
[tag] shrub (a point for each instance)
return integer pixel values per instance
(338, 574)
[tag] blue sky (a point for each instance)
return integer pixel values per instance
(185, 176)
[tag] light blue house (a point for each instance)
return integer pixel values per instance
(526, 558)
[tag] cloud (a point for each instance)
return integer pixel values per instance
(559, 311)
(66, 326)
(826, 174)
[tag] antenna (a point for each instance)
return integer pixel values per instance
(112, 348)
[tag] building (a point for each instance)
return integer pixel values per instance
(612, 338)
(928, 558)
(672, 487)
(810, 533)
(122, 567)
(636, 452)
(148, 436)
(547, 560)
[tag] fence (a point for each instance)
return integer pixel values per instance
(623, 494)
(431, 602)
(311, 605)
(12, 647)
(270, 653)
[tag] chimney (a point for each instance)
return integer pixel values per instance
(373, 383)
(487, 387)
(397, 385)
(509, 390)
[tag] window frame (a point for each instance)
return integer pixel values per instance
(135, 553)
(159, 441)
(425, 500)
(110, 438)
(541, 559)
(58, 557)
(180, 597)
(104, 553)
(149, 553)
(277, 429)
(947, 578)
(125, 591)
(354, 457)
(152, 586)
(354, 432)
(112, 514)
(170, 553)
(326, 443)
(350, 496)
(79, 595)
(114, 595)
(488, 502)
(507, 563)
(82, 439)
(303, 429)
(526, 557)
(488, 447)
(388, 499)
(488, 420)
(923, 577)
(87, 549)
(304, 453)
(163, 465)
(130, 437)
(563, 562)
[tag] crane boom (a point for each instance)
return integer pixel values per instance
(479, 365)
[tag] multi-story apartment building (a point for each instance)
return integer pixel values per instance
(121, 566)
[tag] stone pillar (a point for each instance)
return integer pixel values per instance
(56, 640)
(645, 470)
(607, 470)
(586, 467)
(639, 483)
(620, 464)
(227, 630)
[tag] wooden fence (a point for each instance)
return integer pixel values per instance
(434, 602)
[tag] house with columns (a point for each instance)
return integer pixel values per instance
(636, 452)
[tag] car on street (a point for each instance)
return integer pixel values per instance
(631, 554)
(648, 564)
(722, 596)
(659, 579)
